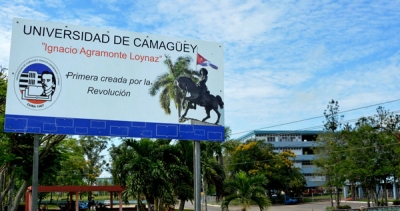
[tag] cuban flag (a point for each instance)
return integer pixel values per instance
(204, 62)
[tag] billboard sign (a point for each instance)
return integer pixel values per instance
(67, 79)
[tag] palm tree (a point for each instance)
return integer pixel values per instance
(147, 170)
(212, 174)
(246, 189)
(153, 169)
(165, 83)
(211, 168)
(183, 186)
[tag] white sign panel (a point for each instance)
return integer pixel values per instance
(72, 73)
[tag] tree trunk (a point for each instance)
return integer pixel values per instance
(397, 187)
(19, 195)
(182, 205)
(156, 204)
(353, 192)
(39, 203)
(221, 160)
(4, 186)
(140, 204)
(11, 193)
(376, 196)
(330, 188)
(337, 197)
(205, 196)
(385, 192)
(2, 180)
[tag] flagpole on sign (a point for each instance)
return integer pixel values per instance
(197, 54)
(203, 205)
(196, 167)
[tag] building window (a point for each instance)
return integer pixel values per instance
(289, 138)
(270, 139)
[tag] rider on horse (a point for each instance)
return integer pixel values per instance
(202, 85)
(199, 95)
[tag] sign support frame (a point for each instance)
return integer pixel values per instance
(197, 175)
(35, 173)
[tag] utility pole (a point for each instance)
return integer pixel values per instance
(35, 173)
(197, 173)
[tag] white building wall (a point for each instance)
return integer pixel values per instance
(297, 165)
(295, 150)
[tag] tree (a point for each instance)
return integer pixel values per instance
(246, 189)
(18, 169)
(251, 156)
(92, 147)
(49, 168)
(171, 171)
(16, 155)
(185, 187)
(372, 158)
(165, 83)
(360, 166)
(332, 117)
(327, 153)
(289, 177)
(364, 155)
(212, 172)
(257, 157)
(229, 147)
(130, 164)
(71, 170)
(120, 168)
(153, 169)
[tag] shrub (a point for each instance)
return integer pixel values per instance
(343, 207)
(329, 208)
(396, 202)
(382, 203)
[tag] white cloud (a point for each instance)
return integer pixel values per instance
(284, 60)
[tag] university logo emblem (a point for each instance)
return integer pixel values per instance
(38, 83)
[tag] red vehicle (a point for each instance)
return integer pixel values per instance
(313, 191)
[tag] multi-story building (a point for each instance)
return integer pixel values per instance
(301, 143)
(104, 181)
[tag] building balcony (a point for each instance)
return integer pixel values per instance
(308, 169)
(305, 157)
(293, 144)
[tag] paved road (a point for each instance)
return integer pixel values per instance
(315, 206)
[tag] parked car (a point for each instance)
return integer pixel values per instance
(107, 202)
(83, 205)
(291, 201)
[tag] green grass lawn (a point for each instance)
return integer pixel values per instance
(281, 200)
(62, 200)
(83, 198)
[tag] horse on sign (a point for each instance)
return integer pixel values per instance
(209, 102)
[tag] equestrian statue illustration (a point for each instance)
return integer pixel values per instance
(199, 95)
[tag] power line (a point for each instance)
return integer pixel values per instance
(322, 126)
(334, 151)
(346, 121)
(301, 145)
(317, 117)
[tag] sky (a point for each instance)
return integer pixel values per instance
(283, 60)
